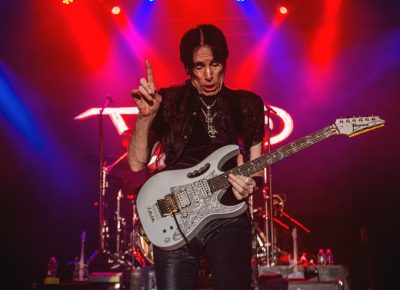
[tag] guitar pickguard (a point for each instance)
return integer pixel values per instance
(204, 204)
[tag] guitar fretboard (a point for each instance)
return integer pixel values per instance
(250, 167)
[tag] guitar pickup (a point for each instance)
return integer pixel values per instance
(168, 205)
(183, 199)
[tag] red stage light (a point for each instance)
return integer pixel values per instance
(116, 10)
(283, 10)
(67, 1)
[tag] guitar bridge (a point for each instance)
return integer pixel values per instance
(168, 205)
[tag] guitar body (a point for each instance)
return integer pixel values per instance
(201, 205)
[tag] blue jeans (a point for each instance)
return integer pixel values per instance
(226, 245)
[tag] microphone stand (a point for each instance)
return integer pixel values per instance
(102, 181)
(267, 191)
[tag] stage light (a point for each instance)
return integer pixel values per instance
(113, 6)
(67, 1)
(116, 10)
(152, 0)
(283, 10)
(240, 0)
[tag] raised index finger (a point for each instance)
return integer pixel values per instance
(150, 75)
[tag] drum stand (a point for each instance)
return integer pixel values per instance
(126, 253)
(119, 257)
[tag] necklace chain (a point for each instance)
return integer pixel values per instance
(207, 106)
(212, 132)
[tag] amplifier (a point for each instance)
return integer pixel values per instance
(321, 274)
(316, 285)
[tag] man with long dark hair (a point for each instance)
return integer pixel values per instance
(190, 122)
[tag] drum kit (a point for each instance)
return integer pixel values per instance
(283, 226)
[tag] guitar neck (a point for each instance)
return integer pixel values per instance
(249, 168)
(82, 256)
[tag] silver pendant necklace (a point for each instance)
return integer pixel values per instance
(212, 132)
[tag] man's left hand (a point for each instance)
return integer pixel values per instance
(242, 186)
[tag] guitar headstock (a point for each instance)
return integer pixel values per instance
(358, 125)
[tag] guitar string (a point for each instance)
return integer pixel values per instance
(258, 164)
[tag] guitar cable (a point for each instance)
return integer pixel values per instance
(180, 231)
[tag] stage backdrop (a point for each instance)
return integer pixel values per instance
(323, 60)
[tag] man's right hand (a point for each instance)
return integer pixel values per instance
(146, 98)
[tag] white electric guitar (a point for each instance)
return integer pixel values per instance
(173, 206)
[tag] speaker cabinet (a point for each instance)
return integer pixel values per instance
(316, 285)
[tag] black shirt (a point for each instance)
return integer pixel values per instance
(239, 120)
